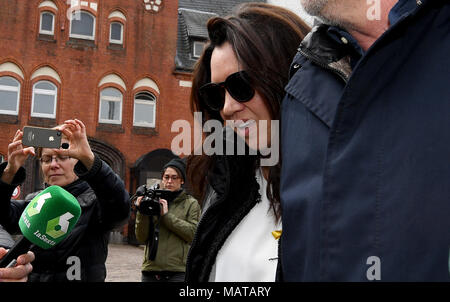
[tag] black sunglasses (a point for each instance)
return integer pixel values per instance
(237, 85)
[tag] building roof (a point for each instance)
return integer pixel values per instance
(195, 21)
(192, 18)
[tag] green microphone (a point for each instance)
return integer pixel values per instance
(45, 222)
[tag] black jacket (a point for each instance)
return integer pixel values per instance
(232, 194)
(104, 205)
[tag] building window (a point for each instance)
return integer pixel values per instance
(82, 25)
(47, 24)
(198, 49)
(116, 33)
(9, 95)
(44, 99)
(110, 106)
(144, 109)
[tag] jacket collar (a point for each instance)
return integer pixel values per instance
(231, 171)
(322, 47)
(334, 48)
(403, 8)
(75, 188)
(177, 196)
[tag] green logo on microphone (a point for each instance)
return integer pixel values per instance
(36, 204)
(59, 225)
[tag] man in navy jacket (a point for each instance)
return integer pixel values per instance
(365, 182)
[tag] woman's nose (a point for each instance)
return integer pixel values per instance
(54, 163)
(231, 106)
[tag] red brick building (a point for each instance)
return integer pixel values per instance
(107, 63)
(122, 67)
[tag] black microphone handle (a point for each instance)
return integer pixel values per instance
(22, 246)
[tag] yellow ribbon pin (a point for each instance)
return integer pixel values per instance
(277, 234)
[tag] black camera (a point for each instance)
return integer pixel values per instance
(149, 204)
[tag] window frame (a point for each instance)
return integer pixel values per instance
(83, 37)
(144, 102)
(44, 92)
(9, 112)
(194, 47)
(46, 32)
(110, 98)
(113, 41)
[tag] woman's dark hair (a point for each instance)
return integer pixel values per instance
(265, 39)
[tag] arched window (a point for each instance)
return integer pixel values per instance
(116, 33)
(45, 95)
(117, 23)
(82, 25)
(110, 106)
(9, 95)
(144, 109)
(47, 17)
(47, 23)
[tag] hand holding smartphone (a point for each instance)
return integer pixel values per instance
(41, 137)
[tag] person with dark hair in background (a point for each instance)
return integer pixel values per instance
(100, 192)
(168, 234)
(239, 80)
(365, 144)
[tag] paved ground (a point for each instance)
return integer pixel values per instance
(124, 263)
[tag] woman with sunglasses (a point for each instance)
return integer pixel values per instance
(239, 80)
(104, 203)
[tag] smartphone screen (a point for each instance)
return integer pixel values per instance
(41, 137)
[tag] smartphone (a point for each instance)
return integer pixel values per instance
(41, 137)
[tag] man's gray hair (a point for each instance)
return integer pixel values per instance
(314, 7)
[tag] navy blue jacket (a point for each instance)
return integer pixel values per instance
(365, 181)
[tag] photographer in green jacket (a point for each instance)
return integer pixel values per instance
(169, 232)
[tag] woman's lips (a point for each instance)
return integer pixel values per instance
(243, 127)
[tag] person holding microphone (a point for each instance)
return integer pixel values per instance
(20, 272)
(99, 191)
